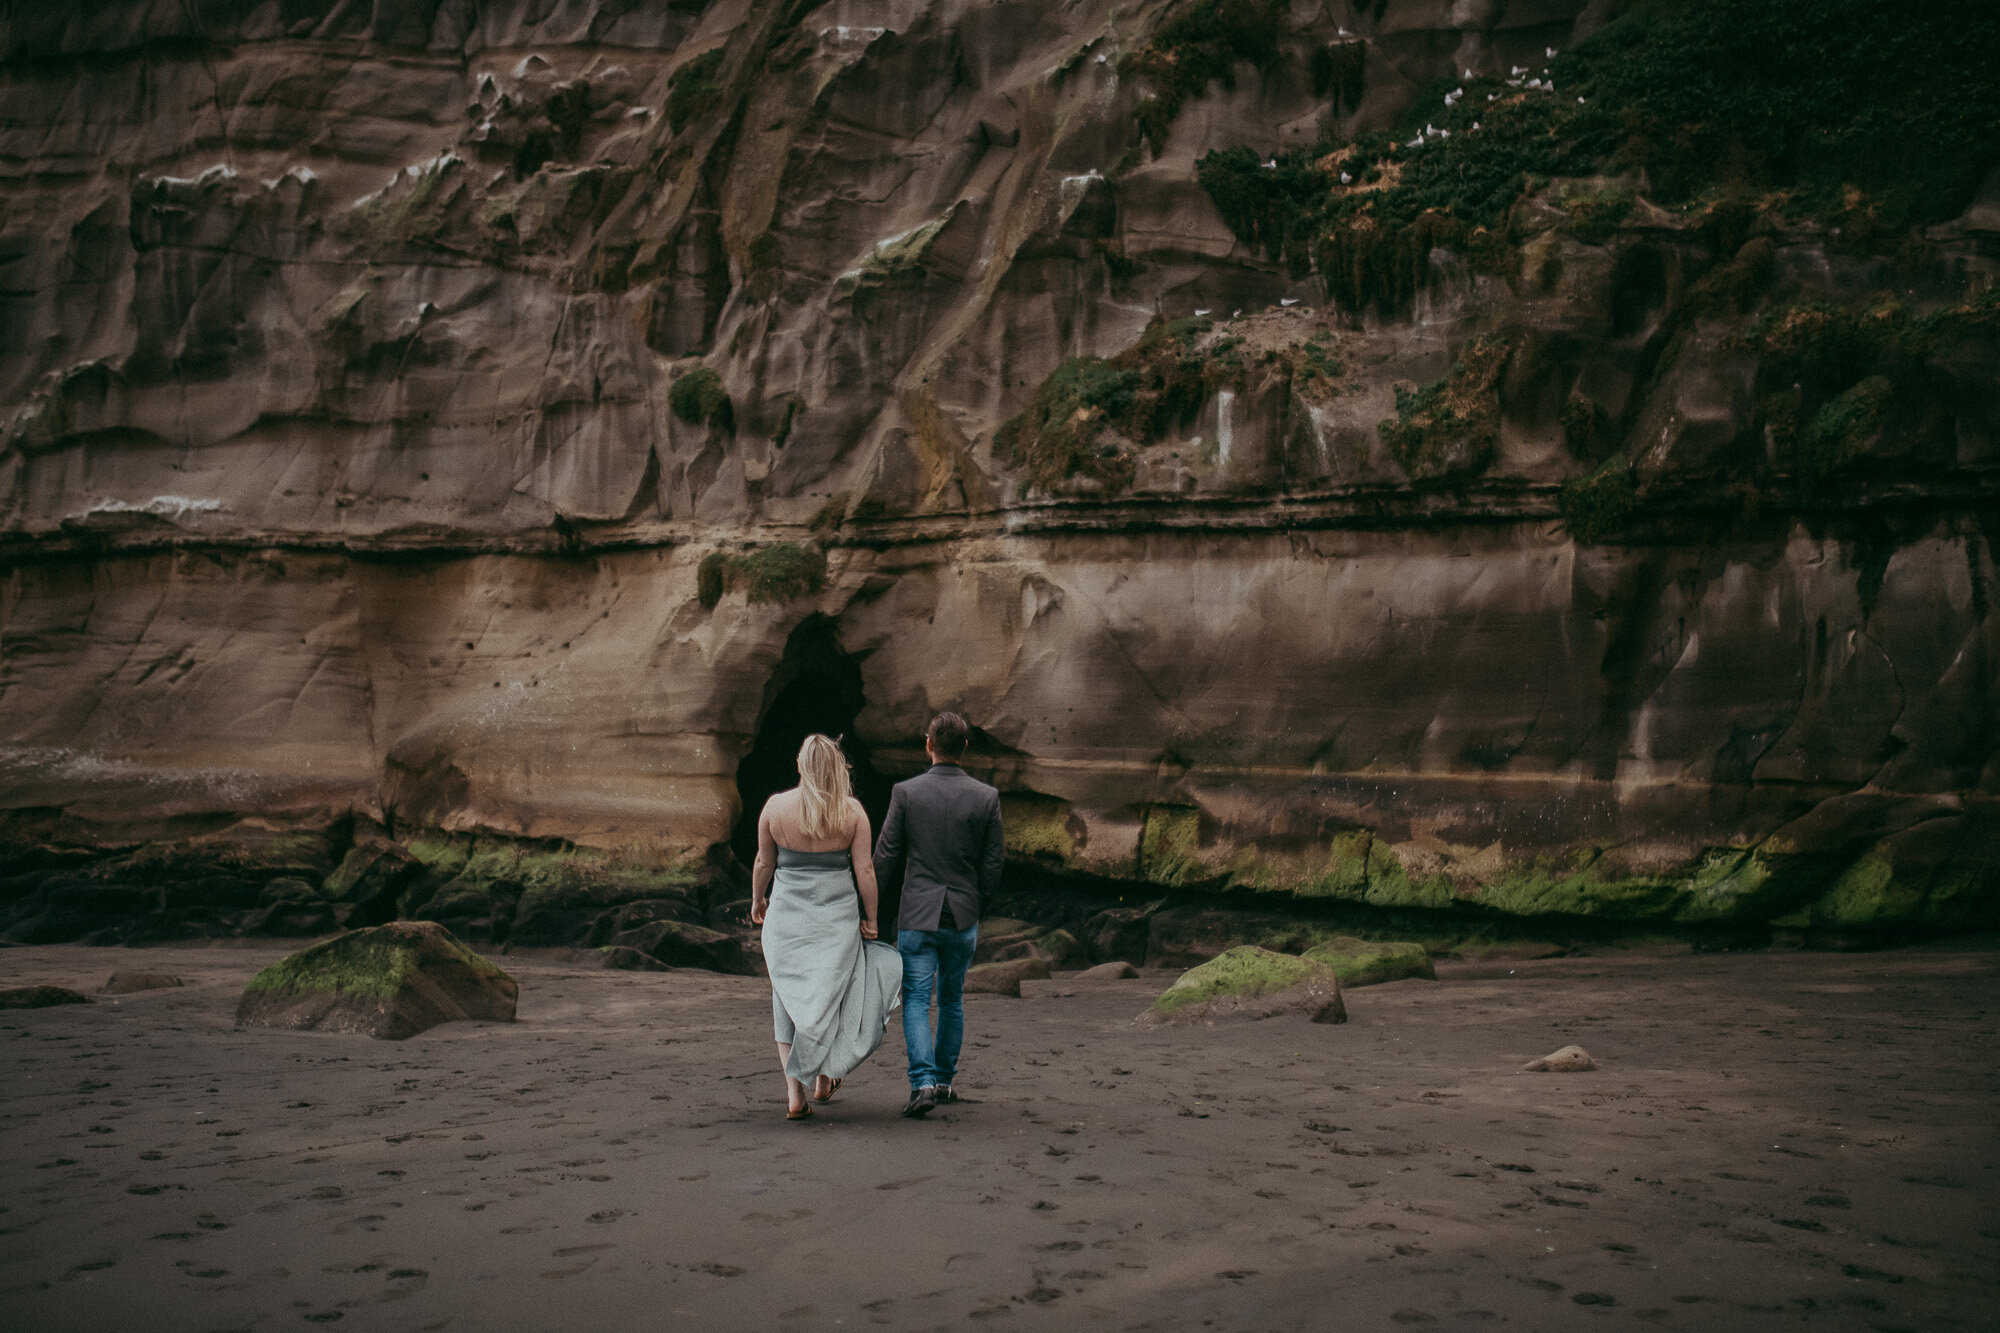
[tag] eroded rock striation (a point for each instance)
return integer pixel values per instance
(452, 452)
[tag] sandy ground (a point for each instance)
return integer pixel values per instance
(1773, 1140)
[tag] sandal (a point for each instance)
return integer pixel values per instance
(803, 1113)
(833, 1086)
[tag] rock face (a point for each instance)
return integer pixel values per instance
(390, 981)
(440, 445)
(1247, 983)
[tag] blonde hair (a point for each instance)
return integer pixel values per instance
(824, 789)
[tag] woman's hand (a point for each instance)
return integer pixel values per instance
(756, 911)
(868, 930)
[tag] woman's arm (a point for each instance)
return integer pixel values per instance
(765, 866)
(864, 872)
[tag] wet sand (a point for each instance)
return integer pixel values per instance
(1771, 1141)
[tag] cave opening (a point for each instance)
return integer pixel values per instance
(817, 687)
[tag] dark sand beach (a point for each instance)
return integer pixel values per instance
(1772, 1140)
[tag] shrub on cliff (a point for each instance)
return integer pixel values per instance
(692, 88)
(1596, 506)
(780, 573)
(1451, 427)
(699, 399)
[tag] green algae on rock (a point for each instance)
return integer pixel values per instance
(1249, 983)
(390, 981)
(1366, 962)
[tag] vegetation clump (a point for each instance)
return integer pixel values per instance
(1596, 506)
(779, 573)
(1156, 385)
(1866, 129)
(1451, 426)
(699, 399)
(1199, 44)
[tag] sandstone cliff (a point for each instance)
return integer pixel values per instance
(442, 438)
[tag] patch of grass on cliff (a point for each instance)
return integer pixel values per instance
(1200, 44)
(692, 89)
(1451, 426)
(1870, 123)
(780, 573)
(1150, 388)
(699, 399)
(1596, 506)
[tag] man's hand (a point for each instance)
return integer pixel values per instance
(756, 911)
(868, 930)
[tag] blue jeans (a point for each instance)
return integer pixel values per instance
(934, 958)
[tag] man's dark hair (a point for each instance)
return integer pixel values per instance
(949, 734)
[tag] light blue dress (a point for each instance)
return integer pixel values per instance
(832, 992)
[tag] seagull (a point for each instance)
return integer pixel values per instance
(1468, 74)
(1475, 124)
(1579, 101)
(1417, 142)
(1518, 71)
(1288, 300)
(1550, 51)
(1345, 33)
(1346, 179)
(1237, 315)
(1199, 313)
(1272, 165)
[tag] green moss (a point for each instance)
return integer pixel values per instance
(1168, 843)
(1200, 44)
(698, 398)
(1451, 427)
(782, 572)
(1245, 970)
(692, 89)
(1037, 826)
(1157, 384)
(1594, 213)
(1596, 506)
(1841, 430)
(1364, 962)
(370, 963)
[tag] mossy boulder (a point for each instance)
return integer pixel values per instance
(1366, 962)
(40, 997)
(390, 981)
(1249, 983)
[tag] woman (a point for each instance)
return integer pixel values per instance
(833, 984)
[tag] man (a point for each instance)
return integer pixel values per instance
(941, 841)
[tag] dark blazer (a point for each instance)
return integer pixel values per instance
(941, 839)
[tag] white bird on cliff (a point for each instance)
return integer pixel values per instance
(1549, 51)
(1346, 179)
(1579, 101)
(1518, 71)
(1237, 315)
(1199, 313)
(1288, 300)
(1272, 165)
(1344, 32)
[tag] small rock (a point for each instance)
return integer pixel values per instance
(631, 960)
(125, 983)
(1568, 1060)
(39, 997)
(1006, 978)
(1113, 971)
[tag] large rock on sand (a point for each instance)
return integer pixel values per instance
(680, 944)
(39, 997)
(391, 981)
(1248, 982)
(129, 983)
(1006, 978)
(1366, 962)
